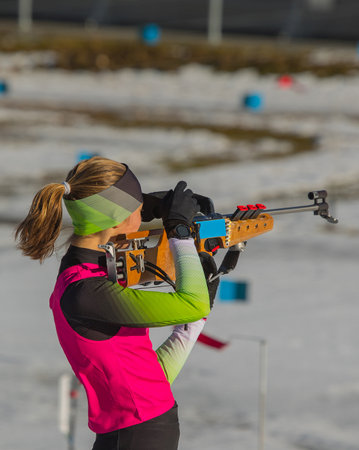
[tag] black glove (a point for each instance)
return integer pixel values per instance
(209, 268)
(154, 205)
(179, 207)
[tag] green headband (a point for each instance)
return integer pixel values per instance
(107, 208)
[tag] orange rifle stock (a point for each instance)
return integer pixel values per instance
(144, 257)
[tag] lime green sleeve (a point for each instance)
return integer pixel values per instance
(140, 308)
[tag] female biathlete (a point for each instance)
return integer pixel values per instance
(103, 326)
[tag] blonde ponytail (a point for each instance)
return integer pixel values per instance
(38, 232)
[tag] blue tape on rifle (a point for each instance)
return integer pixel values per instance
(212, 228)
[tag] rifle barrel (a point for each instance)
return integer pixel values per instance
(292, 209)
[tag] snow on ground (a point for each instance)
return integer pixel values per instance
(302, 275)
(193, 87)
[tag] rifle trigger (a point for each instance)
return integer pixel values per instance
(230, 260)
(214, 277)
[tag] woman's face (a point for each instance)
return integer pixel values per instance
(135, 220)
(129, 225)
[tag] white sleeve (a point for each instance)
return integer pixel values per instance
(173, 353)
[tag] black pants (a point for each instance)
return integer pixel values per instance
(159, 433)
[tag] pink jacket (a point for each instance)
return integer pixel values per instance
(124, 382)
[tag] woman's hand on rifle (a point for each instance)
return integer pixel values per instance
(179, 208)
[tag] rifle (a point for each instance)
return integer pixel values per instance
(144, 257)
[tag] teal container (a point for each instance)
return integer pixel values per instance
(253, 101)
(232, 291)
(151, 34)
(85, 154)
(4, 87)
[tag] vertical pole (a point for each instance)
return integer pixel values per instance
(73, 410)
(64, 402)
(25, 15)
(215, 13)
(262, 385)
(263, 375)
(292, 25)
(68, 395)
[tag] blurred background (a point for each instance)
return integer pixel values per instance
(296, 18)
(249, 102)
